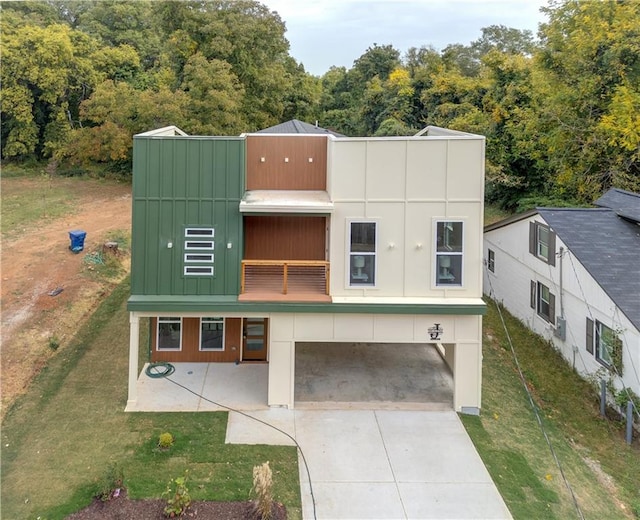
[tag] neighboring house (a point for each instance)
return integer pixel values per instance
(243, 246)
(573, 276)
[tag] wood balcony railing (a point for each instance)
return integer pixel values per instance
(293, 280)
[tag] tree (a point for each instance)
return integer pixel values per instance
(45, 71)
(588, 74)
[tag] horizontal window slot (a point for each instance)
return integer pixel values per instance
(198, 270)
(198, 244)
(197, 257)
(199, 232)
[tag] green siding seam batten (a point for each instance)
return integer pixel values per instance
(173, 305)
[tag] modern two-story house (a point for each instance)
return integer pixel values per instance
(573, 276)
(244, 246)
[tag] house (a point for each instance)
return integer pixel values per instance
(244, 246)
(573, 277)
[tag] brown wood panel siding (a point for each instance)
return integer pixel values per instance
(191, 352)
(296, 174)
(284, 238)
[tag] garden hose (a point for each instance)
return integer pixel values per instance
(158, 370)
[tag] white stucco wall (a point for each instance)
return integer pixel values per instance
(582, 298)
(406, 185)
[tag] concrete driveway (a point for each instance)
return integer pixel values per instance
(381, 464)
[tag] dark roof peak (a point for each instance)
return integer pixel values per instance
(295, 126)
(625, 204)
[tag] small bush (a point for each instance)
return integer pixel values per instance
(178, 498)
(54, 343)
(111, 483)
(263, 490)
(165, 441)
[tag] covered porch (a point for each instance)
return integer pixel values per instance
(193, 387)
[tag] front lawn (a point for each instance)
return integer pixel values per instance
(61, 438)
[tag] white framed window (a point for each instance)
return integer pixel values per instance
(198, 270)
(542, 242)
(362, 253)
(198, 244)
(543, 301)
(169, 333)
(605, 344)
(449, 252)
(193, 232)
(491, 260)
(198, 259)
(212, 334)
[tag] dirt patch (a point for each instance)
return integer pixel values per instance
(36, 261)
(124, 509)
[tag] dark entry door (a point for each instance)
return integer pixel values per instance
(255, 339)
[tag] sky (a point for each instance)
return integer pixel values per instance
(323, 33)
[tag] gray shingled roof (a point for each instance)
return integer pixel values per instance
(297, 127)
(624, 203)
(607, 246)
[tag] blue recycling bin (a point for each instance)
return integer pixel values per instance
(77, 240)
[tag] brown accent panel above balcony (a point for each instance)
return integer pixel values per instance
(286, 162)
(284, 238)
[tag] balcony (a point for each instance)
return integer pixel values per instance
(285, 280)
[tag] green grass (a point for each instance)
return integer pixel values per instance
(24, 208)
(512, 445)
(60, 438)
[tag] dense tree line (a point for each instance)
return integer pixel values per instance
(561, 112)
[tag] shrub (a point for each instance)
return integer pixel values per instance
(110, 484)
(54, 343)
(178, 498)
(263, 490)
(165, 441)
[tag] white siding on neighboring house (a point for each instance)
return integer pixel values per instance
(581, 297)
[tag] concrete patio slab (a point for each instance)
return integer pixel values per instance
(397, 373)
(243, 387)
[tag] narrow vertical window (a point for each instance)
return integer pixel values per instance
(449, 253)
(169, 333)
(212, 334)
(362, 254)
(542, 242)
(491, 261)
(545, 303)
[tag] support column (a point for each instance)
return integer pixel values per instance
(467, 366)
(134, 345)
(281, 374)
(467, 378)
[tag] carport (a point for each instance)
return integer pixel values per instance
(372, 375)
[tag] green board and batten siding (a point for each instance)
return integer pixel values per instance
(177, 183)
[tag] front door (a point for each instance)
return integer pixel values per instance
(254, 339)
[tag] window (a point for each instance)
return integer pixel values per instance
(212, 334)
(605, 345)
(362, 254)
(198, 256)
(169, 335)
(543, 301)
(542, 242)
(491, 261)
(449, 252)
